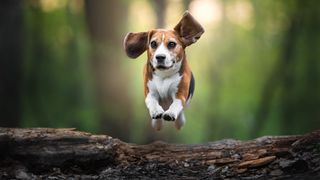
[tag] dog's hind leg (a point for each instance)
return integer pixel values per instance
(157, 124)
(180, 121)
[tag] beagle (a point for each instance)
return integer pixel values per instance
(168, 80)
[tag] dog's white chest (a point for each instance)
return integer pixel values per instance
(164, 86)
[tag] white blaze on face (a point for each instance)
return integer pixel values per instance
(163, 50)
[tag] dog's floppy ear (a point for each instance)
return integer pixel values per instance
(135, 43)
(189, 29)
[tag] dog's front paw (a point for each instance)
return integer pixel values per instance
(169, 116)
(156, 114)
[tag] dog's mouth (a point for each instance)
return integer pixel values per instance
(163, 67)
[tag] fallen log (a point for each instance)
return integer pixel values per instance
(44, 153)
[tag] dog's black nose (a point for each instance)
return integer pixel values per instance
(160, 58)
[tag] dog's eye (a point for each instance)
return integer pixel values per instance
(172, 45)
(153, 44)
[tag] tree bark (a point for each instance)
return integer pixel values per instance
(67, 153)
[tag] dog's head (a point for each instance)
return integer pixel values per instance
(165, 48)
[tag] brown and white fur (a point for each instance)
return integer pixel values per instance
(168, 80)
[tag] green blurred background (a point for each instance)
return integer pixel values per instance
(256, 67)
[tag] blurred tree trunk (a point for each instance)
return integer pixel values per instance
(215, 119)
(10, 63)
(160, 7)
(186, 4)
(107, 25)
(301, 90)
(296, 74)
(278, 77)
